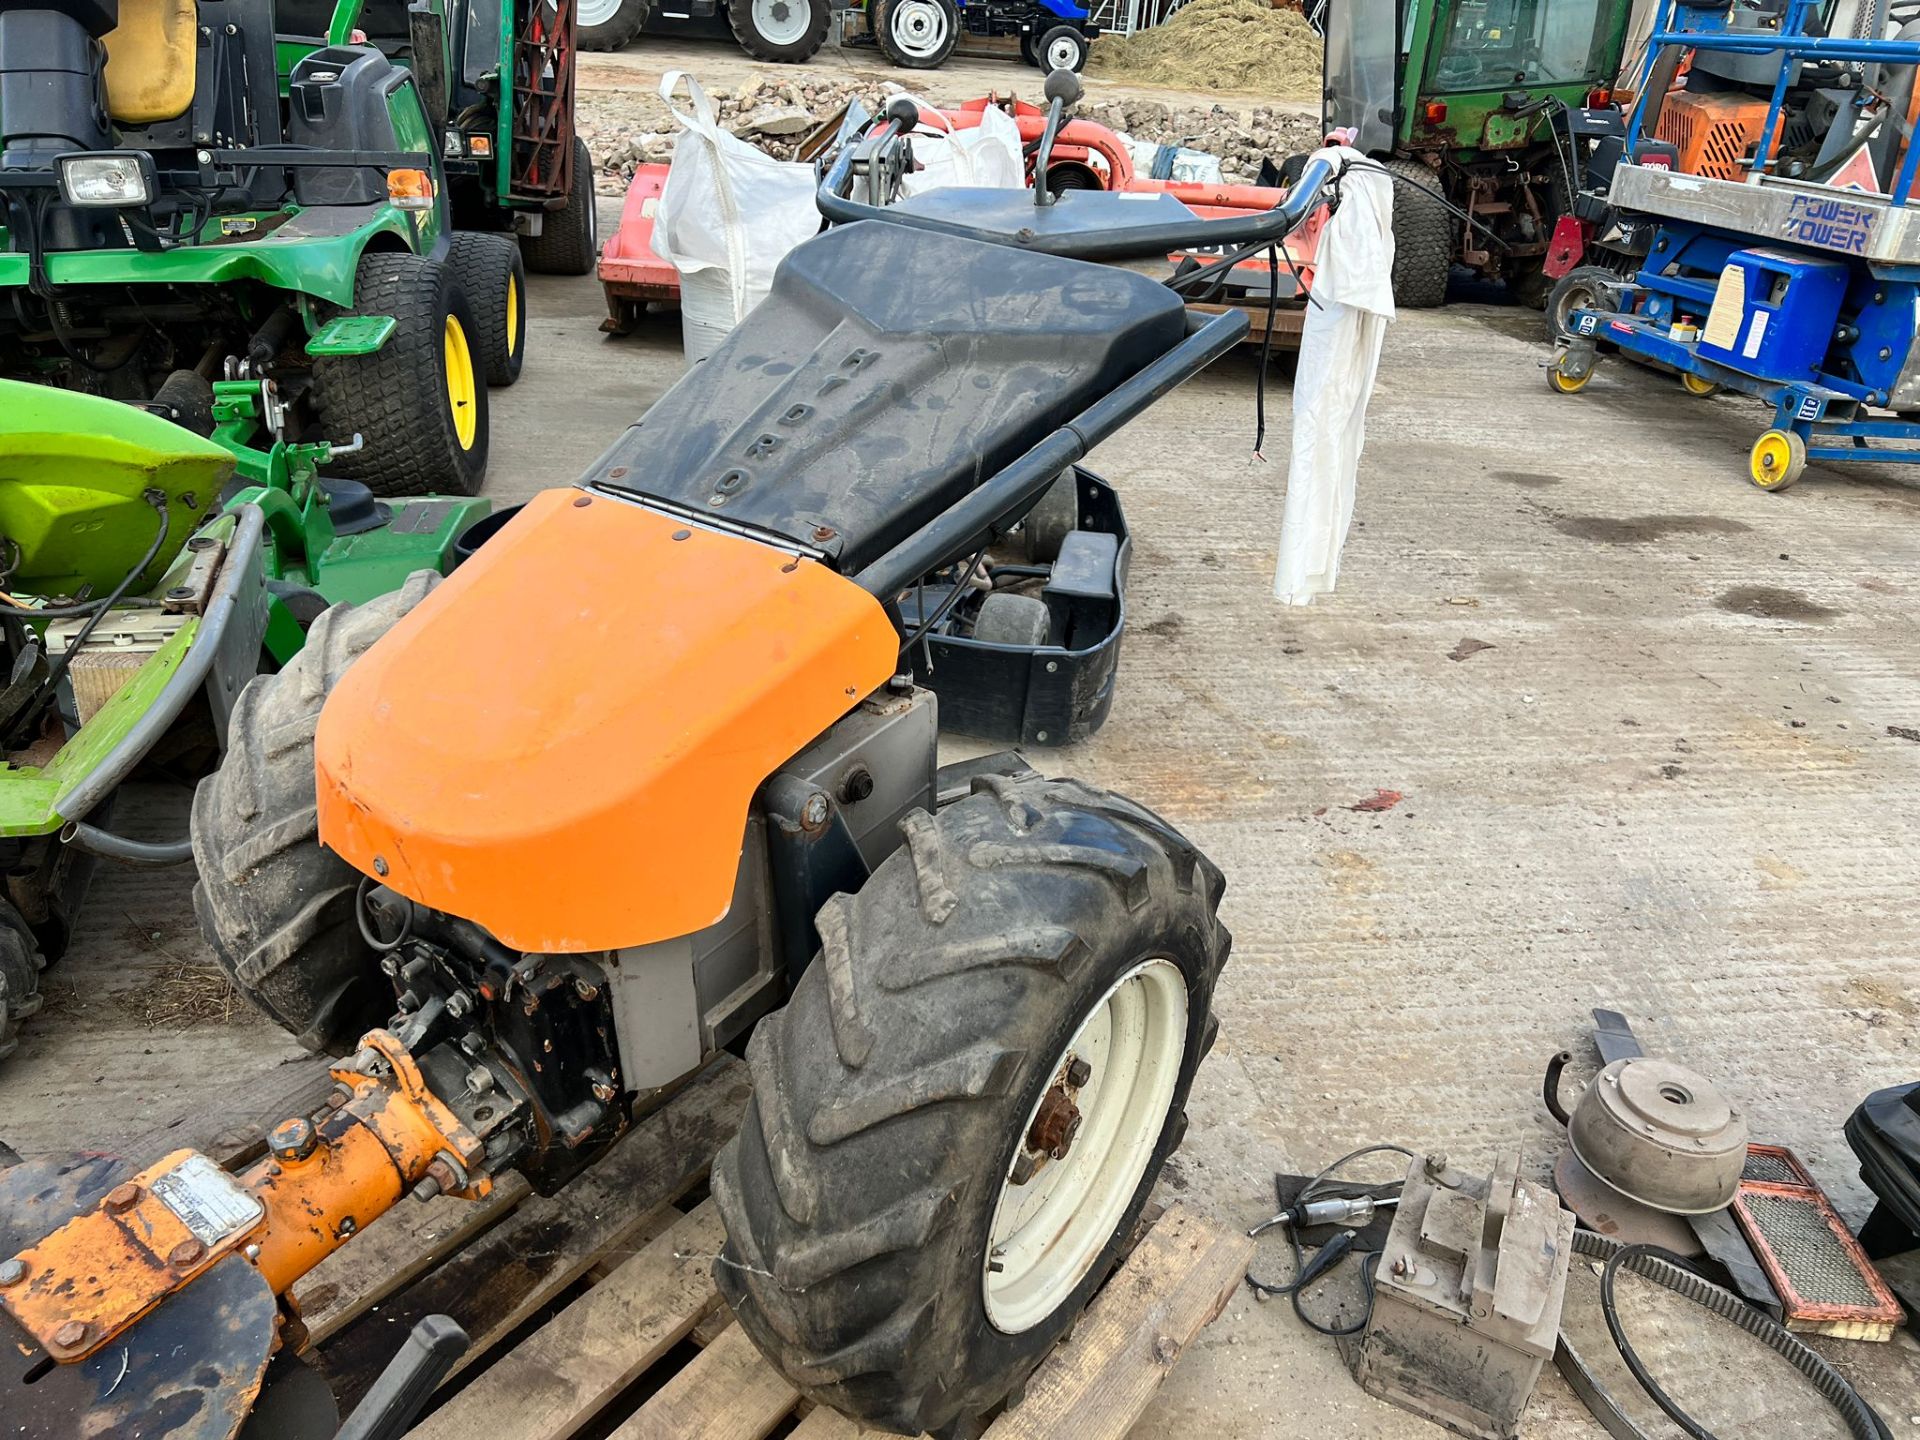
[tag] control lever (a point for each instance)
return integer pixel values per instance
(1063, 92)
(424, 1359)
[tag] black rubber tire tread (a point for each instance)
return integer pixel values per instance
(1055, 515)
(20, 965)
(890, 1094)
(740, 21)
(277, 906)
(485, 261)
(569, 238)
(882, 12)
(1594, 281)
(618, 32)
(1046, 42)
(396, 398)
(1008, 619)
(1423, 237)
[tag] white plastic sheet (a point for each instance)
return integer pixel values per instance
(1346, 324)
(984, 156)
(728, 215)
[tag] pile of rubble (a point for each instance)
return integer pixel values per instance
(625, 129)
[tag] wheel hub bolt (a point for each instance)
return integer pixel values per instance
(1055, 1125)
(1078, 1072)
(1023, 1167)
(122, 1198)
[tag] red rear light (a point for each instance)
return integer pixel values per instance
(1436, 111)
(1598, 97)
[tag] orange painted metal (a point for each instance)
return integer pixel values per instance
(324, 1180)
(561, 742)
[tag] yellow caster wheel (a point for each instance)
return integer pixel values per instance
(1778, 458)
(1698, 384)
(1562, 383)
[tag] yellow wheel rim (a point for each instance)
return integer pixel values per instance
(513, 313)
(1564, 383)
(1698, 384)
(460, 385)
(1773, 463)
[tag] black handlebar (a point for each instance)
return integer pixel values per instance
(1106, 242)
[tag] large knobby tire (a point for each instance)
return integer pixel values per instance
(495, 281)
(419, 402)
(1423, 244)
(1585, 287)
(916, 34)
(569, 238)
(20, 965)
(784, 32)
(894, 1094)
(277, 906)
(609, 24)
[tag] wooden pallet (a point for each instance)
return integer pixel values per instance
(594, 1310)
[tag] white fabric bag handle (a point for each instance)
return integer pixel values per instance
(705, 124)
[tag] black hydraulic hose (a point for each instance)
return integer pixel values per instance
(96, 841)
(1669, 1271)
(1550, 1086)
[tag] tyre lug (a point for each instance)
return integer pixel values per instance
(1023, 1167)
(1078, 1072)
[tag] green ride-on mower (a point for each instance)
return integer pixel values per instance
(1476, 101)
(149, 574)
(334, 207)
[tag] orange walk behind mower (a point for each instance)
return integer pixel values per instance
(648, 777)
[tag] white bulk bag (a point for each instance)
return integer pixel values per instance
(985, 156)
(727, 216)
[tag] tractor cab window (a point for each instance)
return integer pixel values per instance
(1499, 44)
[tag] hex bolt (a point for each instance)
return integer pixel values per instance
(293, 1140)
(1078, 1072)
(1023, 1168)
(12, 1272)
(186, 1255)
(479, 1080)
(814, 813)
(1436, 1163)
(72, 1335)
(380, 865)
(459, 1003)
(122, 1198)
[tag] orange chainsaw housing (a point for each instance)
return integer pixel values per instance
(561, 742)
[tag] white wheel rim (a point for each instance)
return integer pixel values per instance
(781, 22)
(1061, 54)
(596, 12)
(1047, 1233)
(919, 28)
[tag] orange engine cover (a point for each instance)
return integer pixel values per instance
(560, 743)
(1714, 131)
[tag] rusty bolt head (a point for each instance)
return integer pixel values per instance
(72, 1335)
(12, 1272)
(1078, 1072)
(1023, 1167)
(293, 1139)
(814, 814)
(823, 532)
(122, 1198)
(1436, 1163)
(186, 1255)
(1054, 1127)
(441, 1173)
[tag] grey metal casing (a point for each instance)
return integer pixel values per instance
(1467, 1299)
(677, 1001)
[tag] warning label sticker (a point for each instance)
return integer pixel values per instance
(208, 1201)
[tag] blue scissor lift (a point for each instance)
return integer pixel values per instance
(1801, 294)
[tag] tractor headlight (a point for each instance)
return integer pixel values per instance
(116, 177)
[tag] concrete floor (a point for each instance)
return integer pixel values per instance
(1668, 787)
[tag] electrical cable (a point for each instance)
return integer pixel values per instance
(1305, 1272)
(374, 942)
(1670, 1272)
(940, 612)
(58, 667)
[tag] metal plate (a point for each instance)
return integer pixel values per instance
(1813, 216)
(1605, 1210)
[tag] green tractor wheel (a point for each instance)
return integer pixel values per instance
(569, 238)
(420, 400)
(495, 281)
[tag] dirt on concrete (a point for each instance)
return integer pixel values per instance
(1234, 46)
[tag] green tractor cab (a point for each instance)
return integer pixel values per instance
(349, 232)
(1472, 104)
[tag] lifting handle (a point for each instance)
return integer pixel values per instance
(389, 1409)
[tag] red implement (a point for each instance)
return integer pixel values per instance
(630, 273)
